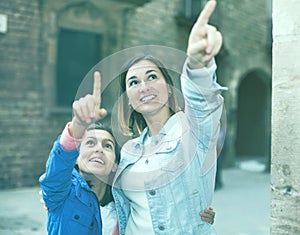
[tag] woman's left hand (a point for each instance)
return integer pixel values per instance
(208, 215)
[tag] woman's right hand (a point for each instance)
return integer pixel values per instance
(205, 40)
(87, 109)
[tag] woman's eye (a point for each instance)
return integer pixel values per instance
(108, 146)
(152, 77)
(90, 143)
(133, 83)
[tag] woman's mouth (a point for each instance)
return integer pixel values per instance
(97, 160)
(147, 98)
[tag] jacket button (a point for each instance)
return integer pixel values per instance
(76, 217)
(92, 224)
(138, 145)
(58, 151)
(161, 227)
(152, 192)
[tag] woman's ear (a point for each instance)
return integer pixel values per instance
(115, 167)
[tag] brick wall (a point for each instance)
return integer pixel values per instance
(244, 24)
(24, 130)
(153, 23)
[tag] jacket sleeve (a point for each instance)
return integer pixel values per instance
(56, 181)
(203, 109)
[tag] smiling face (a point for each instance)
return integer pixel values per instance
(146, 89)
(97, 153)
(136, 112)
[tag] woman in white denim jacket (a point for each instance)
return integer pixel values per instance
(166, 174)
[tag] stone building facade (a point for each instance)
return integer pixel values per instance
(49, 46)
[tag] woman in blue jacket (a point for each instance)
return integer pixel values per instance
(76, 183)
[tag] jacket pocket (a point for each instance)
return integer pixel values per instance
(169, 147)
(81, 218)
(171, 157)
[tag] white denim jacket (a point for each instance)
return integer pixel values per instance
(184, 184)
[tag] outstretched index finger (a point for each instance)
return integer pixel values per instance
(97, 87)
(206, 13)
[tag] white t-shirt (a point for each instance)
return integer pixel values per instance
(109, 218)
(139, 208)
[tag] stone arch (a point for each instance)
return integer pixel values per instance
(83, 16)
(253, 115)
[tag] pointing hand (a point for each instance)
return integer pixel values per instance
(204, 41)
(87, 109)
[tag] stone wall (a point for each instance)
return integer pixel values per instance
(285, 197)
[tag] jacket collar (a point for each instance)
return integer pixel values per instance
(81, 180)
(170, 130)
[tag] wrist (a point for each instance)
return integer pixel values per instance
(195, 64)
(77, 128)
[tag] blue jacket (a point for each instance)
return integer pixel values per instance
(73, 207)
(183, 184)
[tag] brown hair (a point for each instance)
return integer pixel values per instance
(131, 122)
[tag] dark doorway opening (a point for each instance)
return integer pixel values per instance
(253, 121)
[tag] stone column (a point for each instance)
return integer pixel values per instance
(285, 169)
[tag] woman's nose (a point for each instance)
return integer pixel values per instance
(143, 87)
(98, 148)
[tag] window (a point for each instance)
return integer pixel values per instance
(77, 53)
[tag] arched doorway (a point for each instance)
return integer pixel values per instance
(253, 116)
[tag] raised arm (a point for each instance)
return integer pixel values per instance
(203, 100)
(87, 109)
(56, 181)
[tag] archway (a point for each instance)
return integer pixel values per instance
(253, 116)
